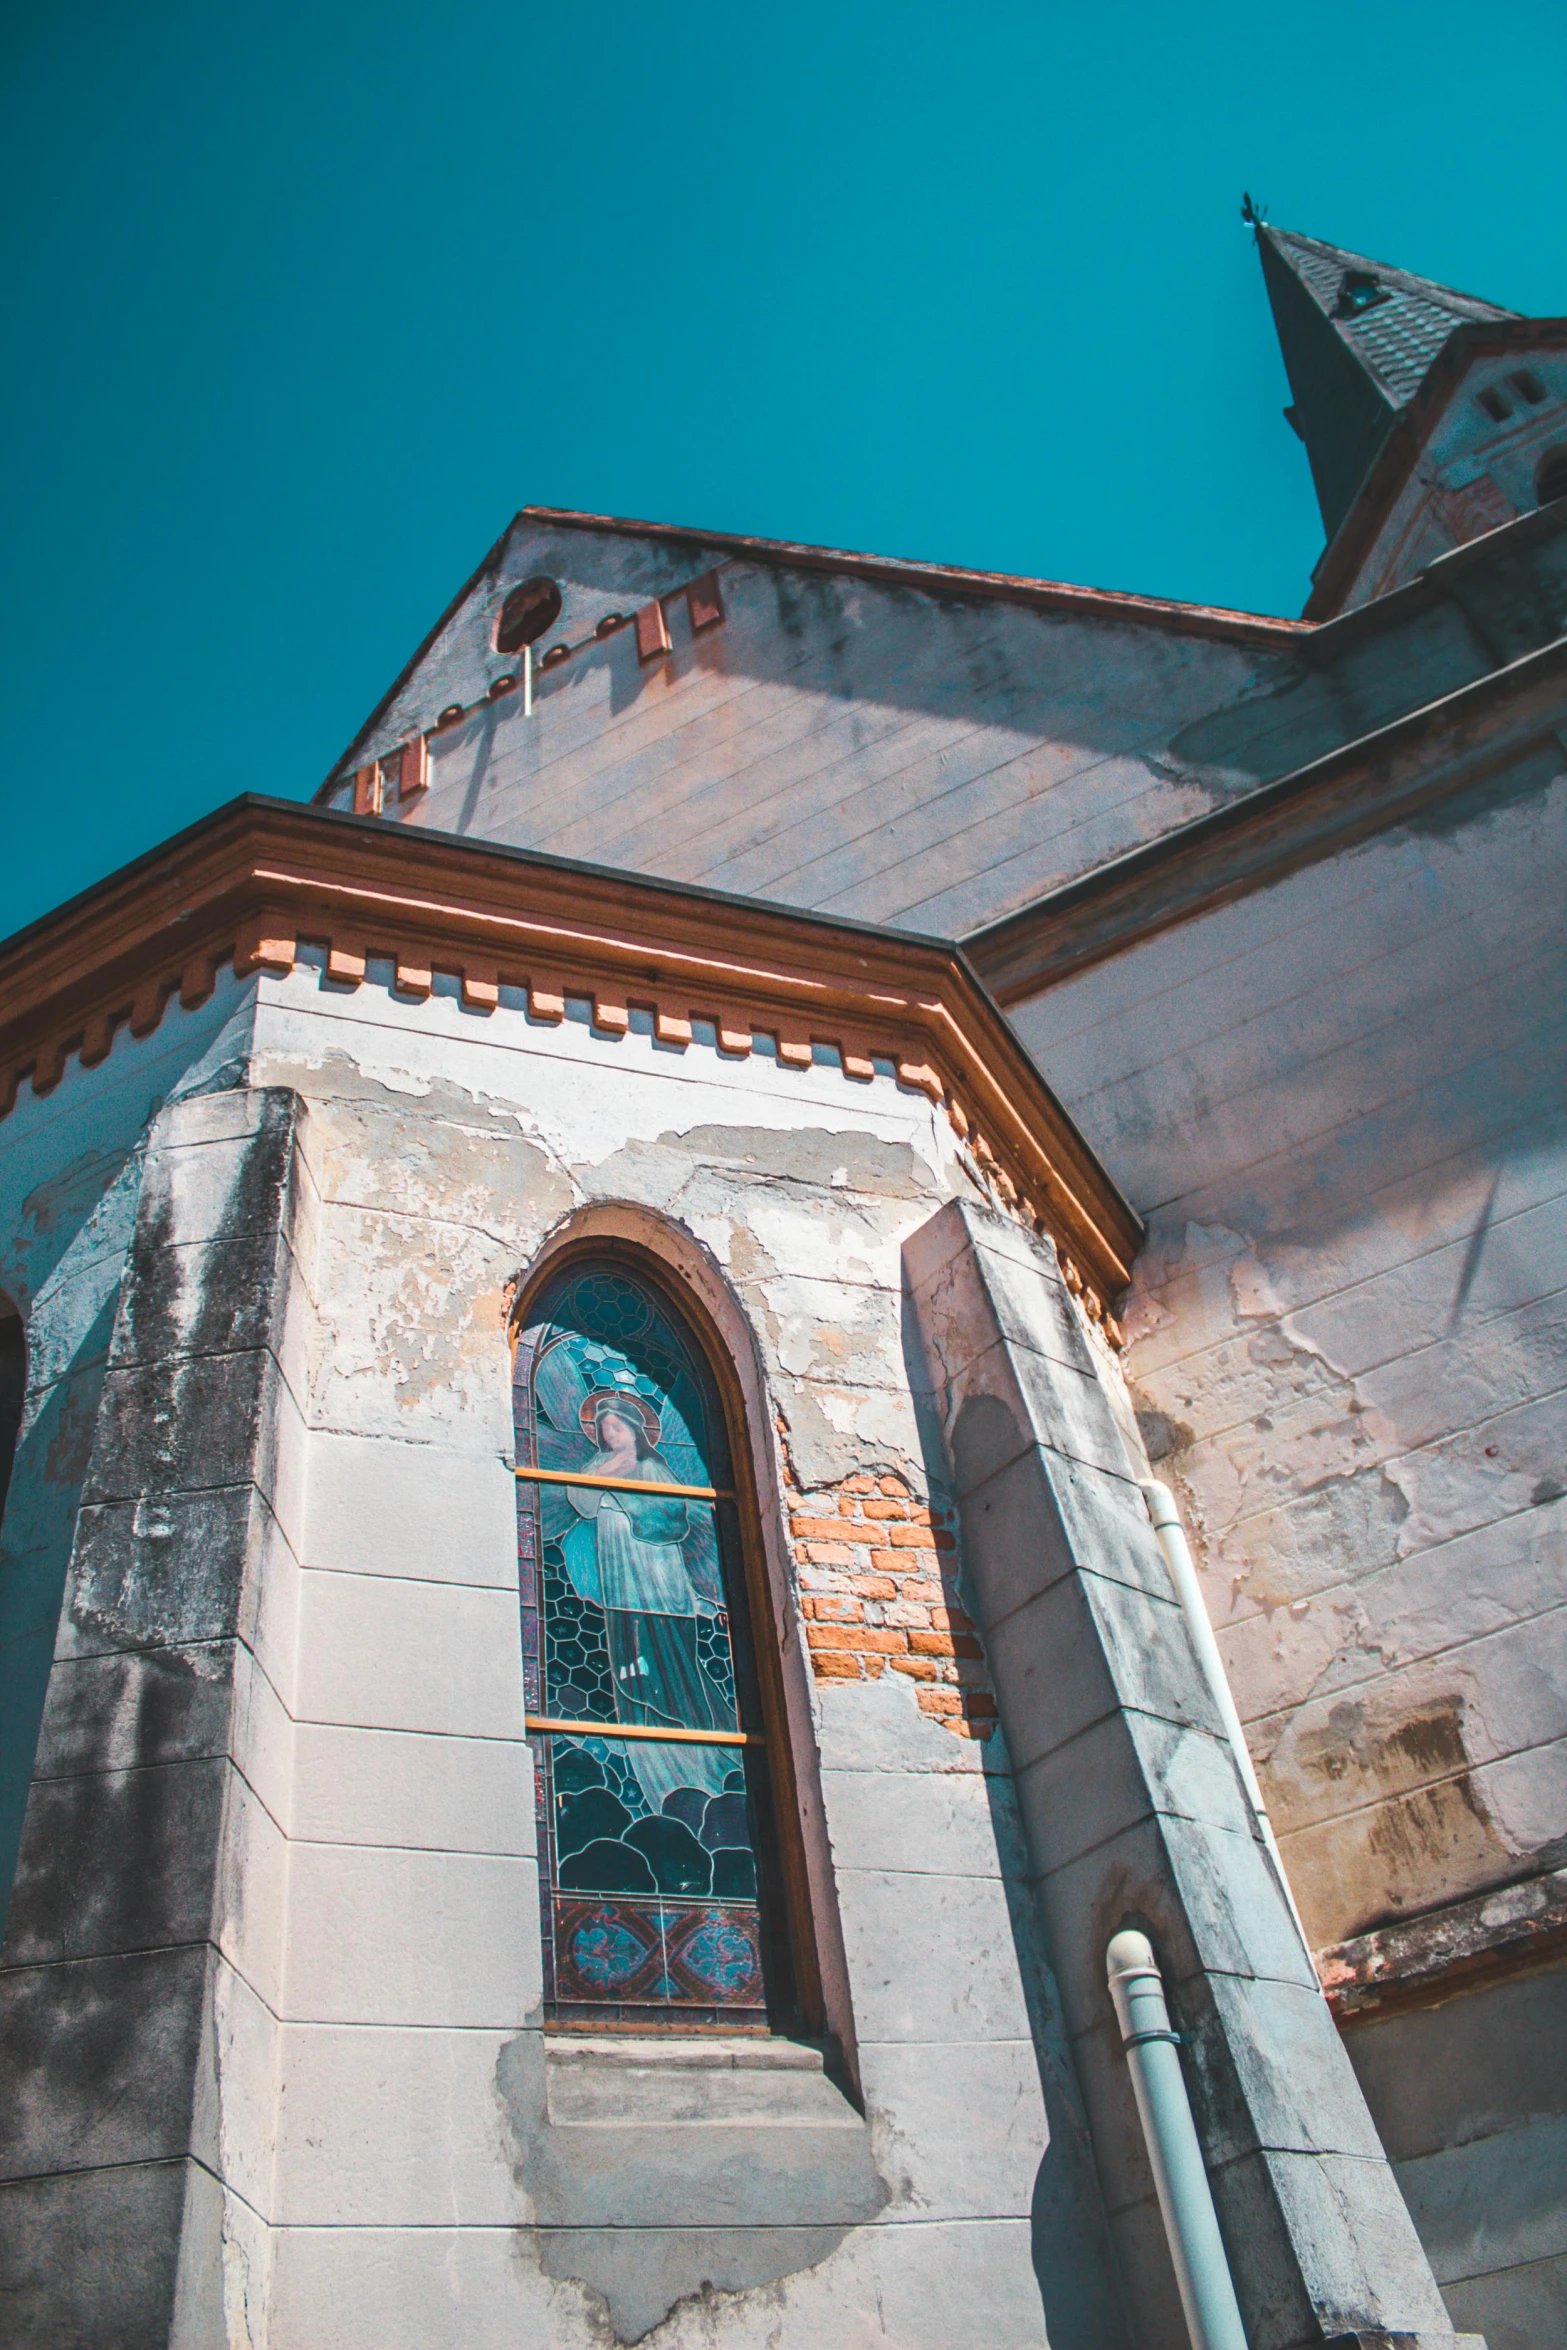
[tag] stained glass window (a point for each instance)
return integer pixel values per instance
(657, 1867)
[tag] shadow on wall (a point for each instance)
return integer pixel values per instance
(41, 1472)
(13, 1382)
(1070, 2246)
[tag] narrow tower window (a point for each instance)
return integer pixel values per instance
(659, 1878)
(1551, 479)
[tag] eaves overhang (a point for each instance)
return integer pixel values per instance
(262, 879)
(1350, 795)
(1340, 564)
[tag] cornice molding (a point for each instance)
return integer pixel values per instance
(262, 879)
(1420, 1961)
(1366, 787)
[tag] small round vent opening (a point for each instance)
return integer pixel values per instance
(527, 612)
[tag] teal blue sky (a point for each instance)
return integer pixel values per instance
(304, 302)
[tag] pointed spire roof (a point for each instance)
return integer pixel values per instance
(1358, 339)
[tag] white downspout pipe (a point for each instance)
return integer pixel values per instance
(1202, 2269)
(1183, 1574)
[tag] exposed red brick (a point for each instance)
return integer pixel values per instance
(829, 1554)
(903, 1562)
(932, 1644)
(859, 1485)
(836, 1668)
(939, 1701)
(882, 1508)
(864, 1639)
(894, 1485)
(918, 1668)
(817, 1529)
(917, 1538)
(832, 1609)
(953, 1617)
(874, 1586)
(950, 1644)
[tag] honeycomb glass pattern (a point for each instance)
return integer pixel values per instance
(656, 1851)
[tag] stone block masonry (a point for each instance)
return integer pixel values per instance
(877, 1574)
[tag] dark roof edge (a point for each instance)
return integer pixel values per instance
(1214, 620)
(1408, 281)
(412, 663)
(1339, 564)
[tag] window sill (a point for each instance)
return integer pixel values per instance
(663, 2082)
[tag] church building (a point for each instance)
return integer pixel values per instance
(783, 1456)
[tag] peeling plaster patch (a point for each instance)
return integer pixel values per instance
(1331, 1523)
(445, 1164)
(831, 1432)
(830, 1158)
(332, 1076)
(1293, 1484)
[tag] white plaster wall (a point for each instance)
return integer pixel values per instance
(1340, 1105)
(440, 1146)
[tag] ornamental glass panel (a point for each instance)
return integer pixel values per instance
(657, 1867)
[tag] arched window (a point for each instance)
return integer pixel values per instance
(659, 1867)
(1550, 479)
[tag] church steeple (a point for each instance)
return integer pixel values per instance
(1358, 340)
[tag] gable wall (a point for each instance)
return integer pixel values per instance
(871, 750)
(1473, 474)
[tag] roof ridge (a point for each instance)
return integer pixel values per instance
(1406, 281)
(1026, 586)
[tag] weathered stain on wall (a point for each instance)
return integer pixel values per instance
(69, 1180)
